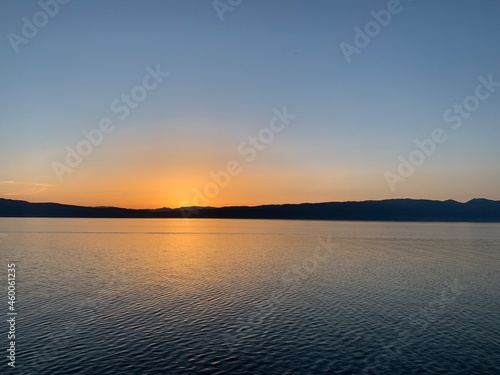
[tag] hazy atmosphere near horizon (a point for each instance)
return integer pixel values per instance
(143, 104)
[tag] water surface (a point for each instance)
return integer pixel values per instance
(208, 296)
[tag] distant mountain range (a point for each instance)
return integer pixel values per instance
(476, 210)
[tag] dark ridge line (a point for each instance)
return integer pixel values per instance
(409, 210)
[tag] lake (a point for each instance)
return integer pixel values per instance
(210, 296)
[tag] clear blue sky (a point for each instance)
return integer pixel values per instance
(353, 120)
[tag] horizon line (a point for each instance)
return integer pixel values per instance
(259, 205)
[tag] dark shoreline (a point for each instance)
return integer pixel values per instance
(392, 210)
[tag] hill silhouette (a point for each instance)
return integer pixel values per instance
(475, 210)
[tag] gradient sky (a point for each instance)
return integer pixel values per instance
(353, 120)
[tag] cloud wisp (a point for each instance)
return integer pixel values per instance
(13, 188)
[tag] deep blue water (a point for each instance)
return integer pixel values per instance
(168, 296)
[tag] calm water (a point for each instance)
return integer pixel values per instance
(263, 297)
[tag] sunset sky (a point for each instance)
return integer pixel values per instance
(349, 122)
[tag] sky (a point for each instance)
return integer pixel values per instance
(248, 102)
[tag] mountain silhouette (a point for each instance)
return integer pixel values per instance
(475, 210)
